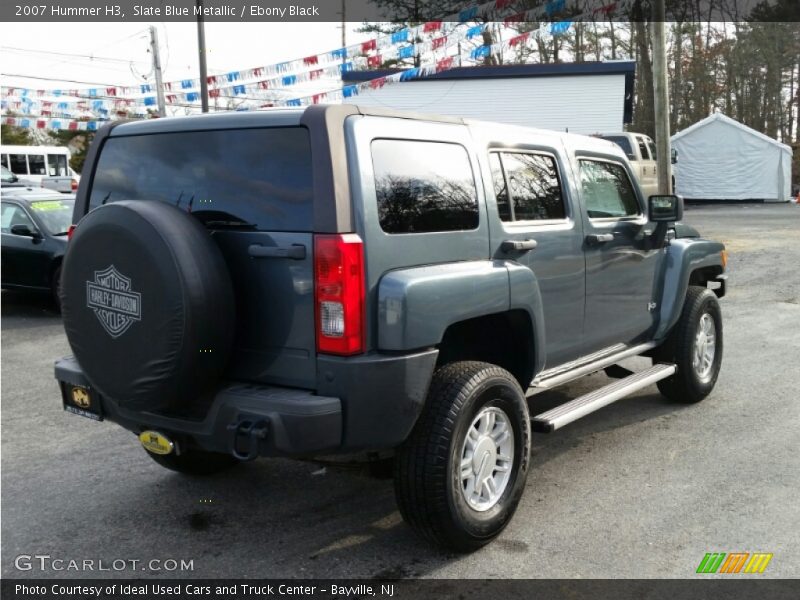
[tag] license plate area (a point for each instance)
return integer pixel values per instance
(81, 400)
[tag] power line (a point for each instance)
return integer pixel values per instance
(61, 79)
(69, 54)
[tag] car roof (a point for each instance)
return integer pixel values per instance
(28, 195)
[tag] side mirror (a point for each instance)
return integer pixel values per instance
(25, 231)
(664, 209)
(674, 156)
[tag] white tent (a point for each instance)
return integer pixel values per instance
(721, 159)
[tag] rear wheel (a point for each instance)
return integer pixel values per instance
(695, 346)
(195, 462)
(461, 473)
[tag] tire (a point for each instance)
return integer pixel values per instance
(148, 305)
(428, 480)
(688, 384)
(195, 462)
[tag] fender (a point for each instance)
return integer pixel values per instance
(417, 305)
(682, 257)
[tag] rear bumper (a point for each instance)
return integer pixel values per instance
(367, 402)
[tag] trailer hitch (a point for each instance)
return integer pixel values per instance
(246, 438)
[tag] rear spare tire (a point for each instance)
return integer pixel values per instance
(147, 304)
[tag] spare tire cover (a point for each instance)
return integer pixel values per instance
(147, 304)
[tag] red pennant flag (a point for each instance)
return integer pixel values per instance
(374, 61)
(264, 85)
(370, 45)
(41, 124)
(377, 83)
(73, 125)
(10, 121)
(431, 26)
(438, 42)
(310, 60)
(315, 74)
(317, 97)
(112, 91)
(46, 104)
(257, 72)
(519, 39)
(213, 93)
(444, 64)
(211, 79)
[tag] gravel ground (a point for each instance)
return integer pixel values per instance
(642, 488)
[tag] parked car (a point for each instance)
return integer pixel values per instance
(33, 226)
(641, 152)
(8, 180)
(335, 279)
(66, 185)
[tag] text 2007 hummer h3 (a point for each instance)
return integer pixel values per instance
(332, 280)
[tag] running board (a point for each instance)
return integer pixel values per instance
(560, 375)
(573, 410)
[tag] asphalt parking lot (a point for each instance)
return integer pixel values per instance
(642, 488)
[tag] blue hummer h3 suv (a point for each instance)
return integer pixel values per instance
(335, 279)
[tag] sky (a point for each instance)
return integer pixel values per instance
(121, 50)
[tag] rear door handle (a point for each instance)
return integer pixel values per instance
(294, 252)
(518, 245)
(599, 238)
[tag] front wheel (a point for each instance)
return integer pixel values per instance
(695, 346)
(461, 473)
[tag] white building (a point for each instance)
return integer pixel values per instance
(721, 159)
(576, 97)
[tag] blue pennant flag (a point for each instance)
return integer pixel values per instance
(192, 96)
(560, 27)
(405, 52)
(554, 7)
(232, 76)
(339, 54)
(400, 36)
(289, 80)
(350, 90)
(25, 123)
(345, 67)
(150, 101)
(480, 52)
(187, 84)
(145, 87)
(239, 89)
(56, 124)
(91, 126)
(473, 31)
(294, 102)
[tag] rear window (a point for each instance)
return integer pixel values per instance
(424, 187)
(255, 179)
(624, 143)
(56, 215)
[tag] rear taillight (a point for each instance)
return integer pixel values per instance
(339, 293)
(70, 231)
(74, 185)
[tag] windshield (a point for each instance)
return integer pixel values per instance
(622, 142)
(55, 215)
(8, 176)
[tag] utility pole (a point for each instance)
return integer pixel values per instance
(661, 97)
(162, 106)
(201, 48)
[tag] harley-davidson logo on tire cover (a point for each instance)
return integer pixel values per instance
(111, 298)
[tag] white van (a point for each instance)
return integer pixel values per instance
(34, 163)
(641, 152)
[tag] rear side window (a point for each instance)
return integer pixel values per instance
(527, 187)
(607, 190)
(624, 143)
(252, 179)
(643, 148)
(652, 147)
(424, 186)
